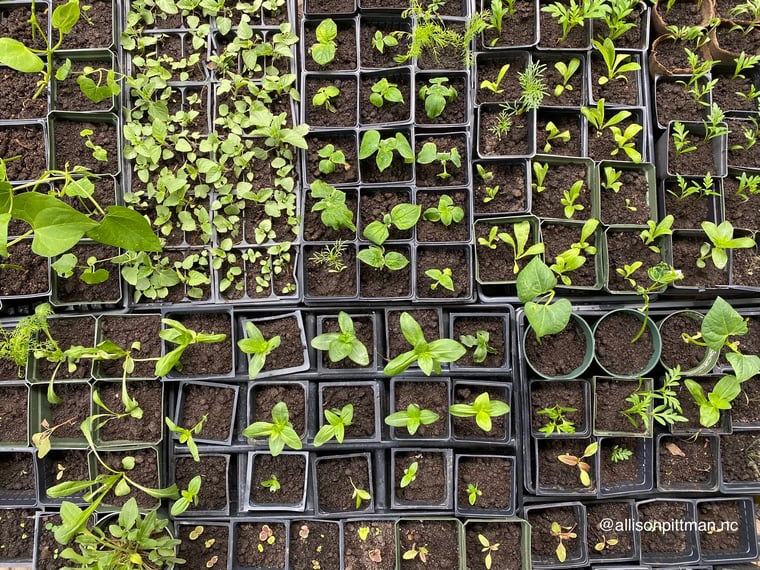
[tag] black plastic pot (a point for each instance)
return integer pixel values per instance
(571, 516)
(248, 472)
(642, 480)
(499, 470)
(337, 482)
(224, 396)
(370, 403)
(741, 531)
(444, 499)
(672, 451)
(675, 521)
(399, 401)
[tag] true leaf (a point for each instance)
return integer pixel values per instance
(17, 56)
(125, 228)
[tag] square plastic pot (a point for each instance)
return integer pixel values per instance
(470, 390)
(248, 474)
(746, 548)
(581, 429)
(491, 528)
(300, 391)
(598, 384)
(333, 467)
(499, 324)
(217, 402)
(719, 166)
(541, 516)
(370, 322)
(497, 470)
(143, 328)
(248, 532)
(223, 482)
(574, 487)
(446, 502)
(711, 465)
(643, 480)
(269, 319)
(402, 434)
(413, 533)
(215, 549)
(654, 528)
(374, 402)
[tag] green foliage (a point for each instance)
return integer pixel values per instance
(279, 432)
(344, 344)
(323, 50)
(381, 41)
(383, 90)
(482, 409)
(337, 421)
(179, 334)
(188, 497)
(331, 157)
(186, 434)
(557, 422)
(30, 334)
(655, 231)
(480, 343)
(535, 288)
(359, 494)
(324, 96)
(553, 134)
(383, 149)
(442, 277)
(401, 216)
(569, 198)
(436, 94)
(642, 403)
(518, 243)
(258, 347)
(375, 256)
(429, 154)
(618, 64)
(566, 71)
(721, 238)
(446, 212)
(618, 18)
(331, 202)
(473, 492)
(412, 418)
(410, 474)
(428, 355)
(620, 453)
(331, 255)
(574, 14)
(596, 116)
(494, 86)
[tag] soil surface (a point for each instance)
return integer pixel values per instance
(609, 397)
(213, 543)
(623, 249)
(70, 145)
(511, 180)
(148, 429)
(322, 282)
(345, 53)
(686, 250)
(68, 332)
(507, 535)
(716, 512)
(386, 282)
(491, 475)
(437, 231)
(516, 142)
(674, 349)
(740, 457)
(438, 536)
(426, 318)
(613, 348)
(145, 473)
(342, 173)
(570, 343)
(27, 142)
(555, 475)
(442, 258)
(691, 461)
(69, 413)
(315, 541)
(362, 397)
(124, 331)
(364, 554)
(542, 544)
(658, 542)
(562, 122)
(342, 109)
(248, 538)
(618, 512)
(61, 465)
(494, 326)
(213, 472)
(17, 82)
(628, 472)
(14, 408)
(74, 290)
(559, 238)
(561, 177)
(563, 393)
(334, 489)
(17, 534)
(215, 402)
(630, 205)
(290, 471)
(518, 29)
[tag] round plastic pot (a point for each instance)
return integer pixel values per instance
(656, 343)
(587, 357)
(710, 358)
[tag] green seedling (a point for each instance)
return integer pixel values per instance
(401, 216)
(473, 492)
(330, 158)
(535, 288)
(583, 467)
(331, 256)
(188, 497)
(258, 347)
(383, 90)
(429, 154)
(518, 243)
(441, 277)
(483, 409)
(279, 432)
(721, 238)
(446, 212)
(428, 355)
(410, 475)
(359, 494)
(494, 86)
(375, 256)
(273, 484)
(553, 134)
(620, 453)
(323, 50)
(177, 333)
(436, 94)
(381, 41)
(480, 343)
(344, 344)
(557, 422)
(383, 149)
(566, 71)
(331, 203)
(186, 434)
(412, 418)
(337, 422)
(324, 98)
(617, 64)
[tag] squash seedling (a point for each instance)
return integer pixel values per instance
(383, 148)
(279, 432)
(482, 409)
(323, 50)
(411, 418)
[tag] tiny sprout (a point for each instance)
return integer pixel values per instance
(562, 533)
(473, 492)
(605, 543)
(359, 494)
(209, 543)
(212, 561)
(196, 532)
(265, 533)
(578, 462)
(620, 453)
(414, 551)
(273, 484)
(410, 474)
(488, 548)
(375, 556)
(303, 532)
(363, 533)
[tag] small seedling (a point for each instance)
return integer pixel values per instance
(617, 64)
(330, 158)
(402, 216)
(410, 474)
(681, 141)
(489, 548)
(721, 238)
(446, 212)
(620, 453)
(383, 90)
(186, 435)
(518, 243)
(331, 256)
(429, 153)
(41, 440)
(566, 70)
(473, 492)
(493, 86)
(324, 98)
(98, 152)
(337, 421)
(563, 533)
(480, 343)
(442, 277)
(383, 149)
(376, 257)
(569, 198)
(331, 202)
(557, 421)
(280, 432)
(412, 418)
(605, 543)
(482, 409)
(539, 174)
(583, 467)
(323, 50)
(273, 484)
(188, 497)
(553, 134)
(359, 494)
(344, 344)
(381, 41)
(428, 355)
(416, 551)
(179, 334)
(258, 347)
(436, 95)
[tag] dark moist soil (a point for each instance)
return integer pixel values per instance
(440, 537)
(610, 401)
(428, 175)
(613, 348)
(542, 544)
(76, 405)
(447, 58)
(496, 264)
(495, 327)
(330, 6)
(566, 394)
(266, 396)
(334, 487)
(28, 143)
(177, 49)
(615, 209)
(671, 56)
(685, 254)
(740, 457)
(149, 428)
(428, 395)
(315, 230)
(690, 212)
(14, 23)
(323, 283)
(370, 57)
(454, 258)
(68, 95)
(570, 343)
(125, 330)
(513, 143)
(491, 475)
(213, 543)
(467, 428)
(206, 358)
(517, 30)
(673, 102)
(62, 465)
(745, 409)
(735, 41)
(726, 94)
(621, 91)
(247, 542)
(290, 352)
(17, 474)
(68, 332)
(715, 513)
(511, 196)
(16, 83)
(558, 239)
(17, 534)
(674, 350)
(573, 147)
(345, 53)
(426, 318)
(559, 178)
(14, 408)
(389, 112)
(508, 537)
(550, 32)
(662, 511)
(624, 248)
(741, 213)
(555, 475)
(74, 290)
(384, 282)
(342, 174)
(362, 398)
(617, 511)
(93, 31)
(695, 467)
(628, 472)
(70, 145)
(216, 402)
(213, 472)
(379, 544)
(344, 105)
(602, 145)
(488, 68)
(695, 163)
(690, 407)
(681, 13)
(145, 473)
(290, 471)
(429, 485)
(315, 544)
(365, 332)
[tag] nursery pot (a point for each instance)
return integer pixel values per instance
(602, 357)
(710, 357)
(585, 333)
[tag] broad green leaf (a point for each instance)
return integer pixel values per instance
(17, 56)
(125, 228)
(547, 319)
(535, 279)
(58, 229)
(405, 216)
(376, 232)
(66, 16)
(411, 329)
(721, 322)
(745, 365)
(395, 260)
(5, 219)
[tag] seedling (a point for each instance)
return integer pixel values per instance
(489, 548)
(98, 152)
(177, 333)
(383, 90)
(186, 434)
(402, 216)
(258, 347)
(626, 141)
(482, 409)
(486, 176)
(721, 239)
(331, 256)
(331, 157)
(331, 202)
(375, 256)
(494, 86)
(503, 123)
(749, 185)
(596, 117)
(620, 453)
(344, 344)
(473, 492)
(569, 198)
(605, 543)
(412, 418)
(680, 136)
(535, 288)
(273, 484)
(415, 551)
(429, 154)
(743, 63)
(517, 243)
(323, 50)
(583, 467)
(539, 174)
(446, 212)
(436, 95)
(324, 98)
(642, 402)
(557, 422)
(359, 494)
(188, 497)
(714, 125)
(617, 64)
(280, 432)
(751, 135)
(618, 18)
(428, 355)
(611, 180)
(480, 343)
(700, 187)
(533, 87)
(698, 85)
(563, 533)
(499, 10)
(381, 41)
(655, 231)
(554, 134)
(383, 149)
(410, 474)
(574, 14)
(41, 440)
(442, 277)
(566, 70)
(337, 421)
